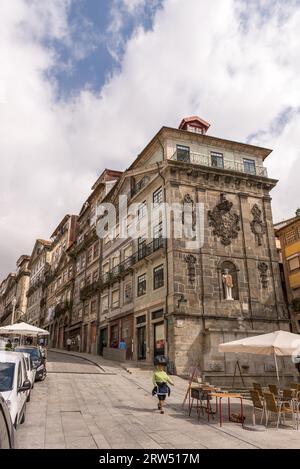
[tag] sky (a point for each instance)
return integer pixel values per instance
(85, 84)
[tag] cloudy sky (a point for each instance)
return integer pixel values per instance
(84, 84)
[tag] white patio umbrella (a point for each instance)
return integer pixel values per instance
(278, 343)
(23, 329)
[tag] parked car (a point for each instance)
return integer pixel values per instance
(14, 385)
(7, 430)
(31, 372)
(38, 361)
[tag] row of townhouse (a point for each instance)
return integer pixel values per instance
(141, 282)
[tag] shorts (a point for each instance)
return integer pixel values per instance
(161, 397)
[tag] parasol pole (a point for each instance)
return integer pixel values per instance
(276, 364)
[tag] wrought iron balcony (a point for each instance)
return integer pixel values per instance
(206, 160)
(89, 290)
(140, 185)
(124, 267)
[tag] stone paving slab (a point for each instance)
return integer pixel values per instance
(116, 410)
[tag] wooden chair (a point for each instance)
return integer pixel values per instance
(281, 409)
(273, 389)
(258, 403)
(257, 387)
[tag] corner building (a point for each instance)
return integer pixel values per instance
(165, 295)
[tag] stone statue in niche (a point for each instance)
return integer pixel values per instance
(228, 284)
(263, 269)
(191, 262)
(258, 227)
(225, 224)
(189, 211)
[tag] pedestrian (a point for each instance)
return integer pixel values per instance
(122, 345)
(69, 343)
(78, 342)
(8, 345)
(160, 380)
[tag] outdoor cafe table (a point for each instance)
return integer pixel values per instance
(220, 396)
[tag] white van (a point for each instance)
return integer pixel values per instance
(14, 384)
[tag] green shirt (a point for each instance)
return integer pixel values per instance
(161, 377)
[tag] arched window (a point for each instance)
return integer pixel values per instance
(229, 268)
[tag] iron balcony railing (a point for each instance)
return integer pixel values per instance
(206, 160)
(143, 251)
(140, 185)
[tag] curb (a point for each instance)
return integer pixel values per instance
(78, 356)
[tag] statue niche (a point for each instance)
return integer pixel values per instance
(229, 281)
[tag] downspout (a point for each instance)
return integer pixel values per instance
(166, 252)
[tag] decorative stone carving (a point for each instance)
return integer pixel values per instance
(189, 208)
(258, 227)
(225, 224)
(191, 262)
(263, 269)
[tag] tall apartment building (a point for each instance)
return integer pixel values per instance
(288, 234)
(86, 252)
(56, 305)
(164, 295)
(39, 265)
(13, 293)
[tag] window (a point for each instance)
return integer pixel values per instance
(93, 306)
(294, 263)
(127, 252)
(106, 267)
(157, 235)
(70, 271)
(104, 303)
(249, 166)
(141, 319)
(81, 284)
(217, 160)
(141, 247)
(88, 280)
(95, 275)
(96, 249)
(157, 197)
(90, 255)
(290, 237)
(141, 285)
(157, 314)
(87, 309)
(115, 298)
(127, 292)
(116, 260)
(82, 262)
(65, 276)
(183, 153)
(158, 277)
(142, 209)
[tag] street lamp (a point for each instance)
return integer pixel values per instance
(14, 302)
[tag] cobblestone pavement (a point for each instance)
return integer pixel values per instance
(101, 405)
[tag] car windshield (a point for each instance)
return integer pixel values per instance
(7, 371)
(34, 352)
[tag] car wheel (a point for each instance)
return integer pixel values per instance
(23, 416)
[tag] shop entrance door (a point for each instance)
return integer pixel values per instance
(159, 339)
(102, 340)
(141, 343)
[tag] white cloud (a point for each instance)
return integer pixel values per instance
(199, 58)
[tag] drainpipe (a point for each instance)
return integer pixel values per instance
(166, 253)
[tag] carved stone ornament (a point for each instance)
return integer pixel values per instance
(191, 262)
(263, 269)
(258, 227)
(225, 224)
(189, 207)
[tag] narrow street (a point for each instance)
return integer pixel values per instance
(82, 405)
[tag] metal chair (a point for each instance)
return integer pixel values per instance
(257, 387)
(258, 403)
(281, 409)
(273, 389)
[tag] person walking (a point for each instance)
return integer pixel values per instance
(69, 343)
(160, 380)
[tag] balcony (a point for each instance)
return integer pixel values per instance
(140, 185)
(124, 267)
(61, 307)
(229, 165)
(89, 290)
